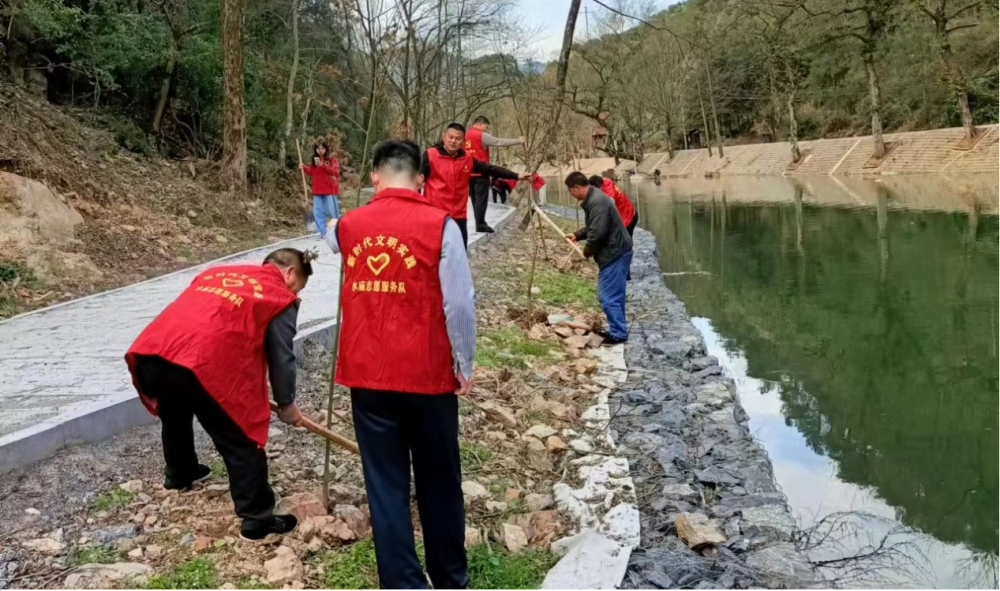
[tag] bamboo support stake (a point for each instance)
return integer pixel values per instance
(329, 398)
(305, 186)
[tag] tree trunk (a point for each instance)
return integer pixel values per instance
(876, 99)
(290, 91)
(307, 93)
(234, 141)
(168, 80)
(793, 129)
(715, 115)
(956, 80)
(567, 46)
(704, 120)
(670, 142)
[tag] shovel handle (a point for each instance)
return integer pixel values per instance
(539, 211)
(325, 433)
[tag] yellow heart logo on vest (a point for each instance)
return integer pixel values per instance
(379, 263)
(232, 283)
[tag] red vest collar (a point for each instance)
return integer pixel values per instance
(404, 194)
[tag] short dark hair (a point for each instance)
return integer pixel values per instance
(399, 156)
(457, 126)
(577, 179)
(293, 257)
(596, 181)
(482, 119)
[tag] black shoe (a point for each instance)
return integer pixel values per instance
(610, 341)
(280, 524)
(201, 473)
(601, 333)
(484, 229)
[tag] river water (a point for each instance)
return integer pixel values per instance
(859, 320)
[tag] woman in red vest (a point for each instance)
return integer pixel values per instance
(447, 168)
(208, 355)
(325, 173)
(408, 341)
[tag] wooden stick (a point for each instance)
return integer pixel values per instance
(305, 185)
(539, 211)
(325, 433)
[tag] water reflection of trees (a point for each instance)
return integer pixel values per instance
(890, 352)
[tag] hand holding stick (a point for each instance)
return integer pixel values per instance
(325, 433)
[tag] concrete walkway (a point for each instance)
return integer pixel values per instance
(63, 379)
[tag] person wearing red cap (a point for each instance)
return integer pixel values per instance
(447, 168)
(209, 355)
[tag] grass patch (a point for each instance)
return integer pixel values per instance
(94, 555)
(566, 289)
(474, 455)
(196, 573)
(508, 347)
(352, 567)
(115, 497)
(218, 468)
(500, 570)
(252, 582)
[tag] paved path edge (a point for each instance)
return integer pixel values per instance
(110, 417)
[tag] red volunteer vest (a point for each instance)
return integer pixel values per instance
(474, 146)
(622, 203)
(394, 335)
(448, 187)
(216, 329)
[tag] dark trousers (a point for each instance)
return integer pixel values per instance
(393, 429)
(463, 226)
(501, 193)
(631, 230)
(180, 398)
(479, 192)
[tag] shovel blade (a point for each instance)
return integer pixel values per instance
(526, 221)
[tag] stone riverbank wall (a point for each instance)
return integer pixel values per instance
(711, 513)
(915, 152)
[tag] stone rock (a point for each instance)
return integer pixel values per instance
(771, 521)
(539, 501)
(337, 529)
(716, 475)
(221, 239)
(658, 579)
(729, 506)
(514, 538)
(472, 537)
(563, 331)
(201, 543)
(545, 527)
(555, 444)
(537, 332)
(285, 567)
(187, 539)
(45, 546)
(105, 576)
(500, 413)
(581, 446)
(714, 393)
(32, 511)
(216, 490)
(153, 551)
(301, 505)
(472, 490)
(132, 486)
(679, 490)
(576, 342)
(594, 341)
(554, 319)
(538, 455)
(698, 530)
(512, 494)
(585, 366)
(136, 553)
(496, 506)
(540, 431)
(354, 518)
(345, 494)
(781, 565)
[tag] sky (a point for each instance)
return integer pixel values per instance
(550, 17)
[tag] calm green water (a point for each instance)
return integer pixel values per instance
(859, 320)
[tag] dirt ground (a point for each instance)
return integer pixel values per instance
(73, 508)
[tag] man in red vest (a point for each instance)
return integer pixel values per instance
(408, 341)
(447, 169)
(208, 355)
(478, 143)
(622, 203)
